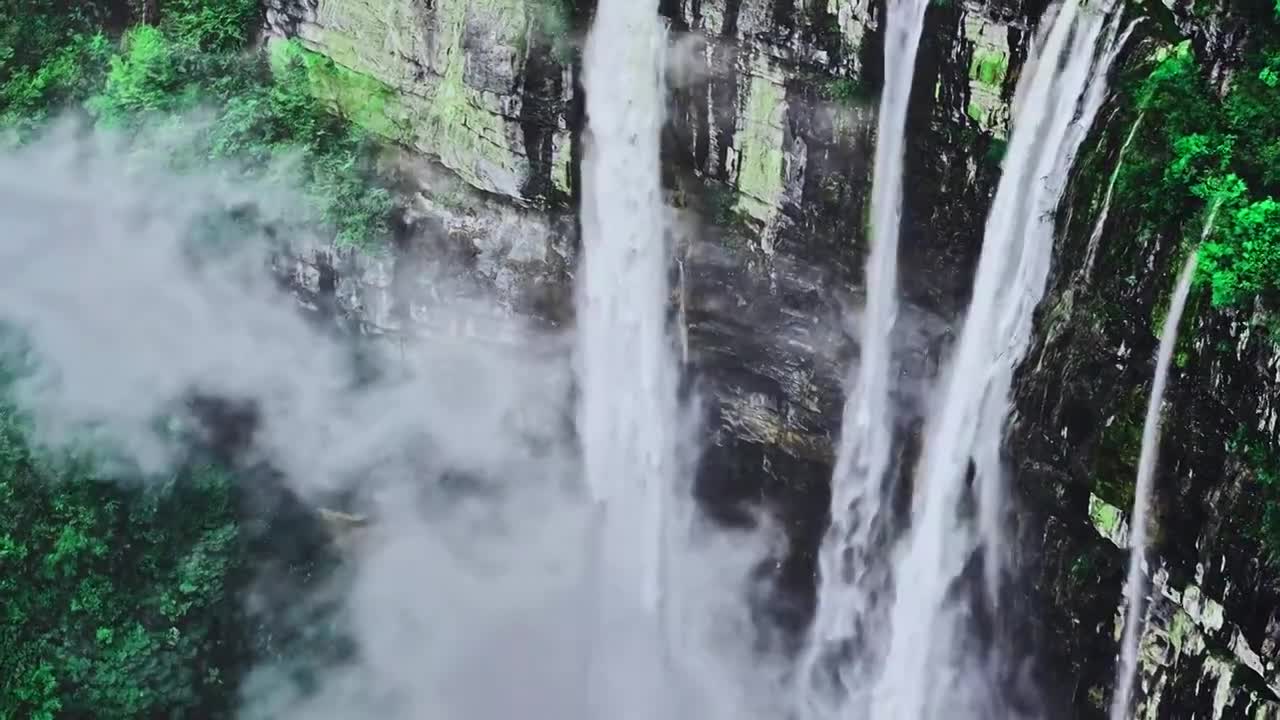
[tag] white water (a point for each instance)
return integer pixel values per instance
(926, 673)
(862, 460)
(1095, 237)
(1135, 582)
(1024, 295)
(628, 410)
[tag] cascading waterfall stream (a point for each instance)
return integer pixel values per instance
(925, 674)
(628, 411)
(1095, 237)
(1023, 296)
(1135, 582)
(862, 460)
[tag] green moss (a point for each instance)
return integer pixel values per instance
(976, 112)
(845, 91)
(989, 67)
(439, 114)
(1106, 518)
(1098, 697)
(759, 144)
(1185, 637)
(359, 98)
(467, 137)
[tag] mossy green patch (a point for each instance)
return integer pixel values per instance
(989, 67)
(469, 139)
(1106, 518)
(414, 90)
(845, 91)
(976, 112)
(361, 99)
(760, 156)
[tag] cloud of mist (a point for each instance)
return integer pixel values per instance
(465, 600)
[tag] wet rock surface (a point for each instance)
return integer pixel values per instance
(767, 157)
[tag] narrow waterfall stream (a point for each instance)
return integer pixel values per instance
(628, 408)
(1135, 581)
(858, 502)
(927, 673)
(1095, 237)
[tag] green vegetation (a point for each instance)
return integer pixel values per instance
(262, 108)
(1214, 152)
(989, 67)
(118, 594)
(54, 57)
(845, 91)
(1208, 153)
(1119, 448)
(117, 602)
(996, 150)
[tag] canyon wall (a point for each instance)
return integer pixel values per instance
(767, 158)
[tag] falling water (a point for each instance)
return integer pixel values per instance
(924, 674)
(1023, 296)
(1095, 237)
(627, 373)
(1135, 582)
(862, 458)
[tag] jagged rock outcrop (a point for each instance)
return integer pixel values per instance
(768, 160)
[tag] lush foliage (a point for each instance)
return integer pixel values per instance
(1205, 163)
(117, 596)
(50, 59)
(224, 25)
(191, 61)
(1221, 155)
(114, 600)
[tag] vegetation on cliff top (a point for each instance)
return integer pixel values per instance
(60, 60)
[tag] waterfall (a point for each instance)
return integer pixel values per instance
(858, 502)
(925, 673)
(628, 409)
(1095, 237)
(1088, 83)
(1135, 582)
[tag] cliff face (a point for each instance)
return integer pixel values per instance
(1211, 648)
(768, 157)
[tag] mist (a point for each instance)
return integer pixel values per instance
(130, 287)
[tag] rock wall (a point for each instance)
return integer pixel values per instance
(767, 157)
(1210, 650)
(474, 84)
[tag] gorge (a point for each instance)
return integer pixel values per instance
(692, 358)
